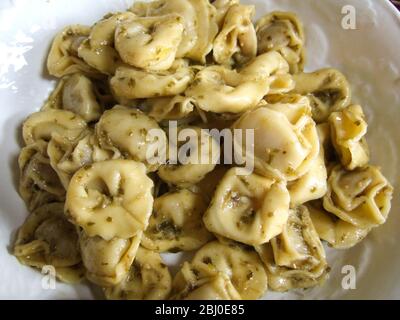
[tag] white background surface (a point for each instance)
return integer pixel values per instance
(369, 57)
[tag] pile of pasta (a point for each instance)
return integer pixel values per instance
(102, 211)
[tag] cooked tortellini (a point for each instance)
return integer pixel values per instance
(129, 132)
(348, 129)
(132, 83)
(63, 58)
(176, 223)
(170, 108)
(336, 232)
(287, 139)
(79, 97)
(150, 43)
(43, 125)
(108, 262)
(47, 238)
(103, 58)
(38, 182)
(110, 199)
(327, 89)
(188, 285)
(181, 125)
(222, 7)
(282, 32)
(313, 184)
(98, 49)
(219, 89)
(240, 263)
(148, 279)
(76, 93)
(248, 208)
(198, 155)
(200, 25)
(295, 258)
(360, 197)
(67, 157)
(237, 38)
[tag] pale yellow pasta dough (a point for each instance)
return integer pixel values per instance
(128, 131)
(361, 197)
(107, 262)
(148, 279)
(176, 223)
(348, 130)
(250, 209)
(63, 58)
(282, 32)
(287, 139)
(296, 258)
(237, 38)
(240, 263)
(110, 199)
(150, 43)
(43, 125)
(47, 238)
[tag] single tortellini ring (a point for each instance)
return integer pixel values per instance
(295, 258)
(176, 223)
(164, 7)
(107, 262)
(336, 232)
(219, 89)
(39, 183)
(98, 50)
(63, 58)
(148, 279)
(189, 285)
(67, 157)
(361, 197)
(313, 185)
(222, 90)
(150, 43)
(43, 125)
(298, 246)
(198, 154)
(47, 238)
(286, 138)
(132, 83)
(110, 199)
(134, 134)
(241, 264)
(200, 23)
(250, 209)
(237, 39)
(282, 32)
(92, 96)
(79, 97)
(348, 129)
(327, 89)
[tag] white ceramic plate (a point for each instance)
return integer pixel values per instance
(369, 56)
